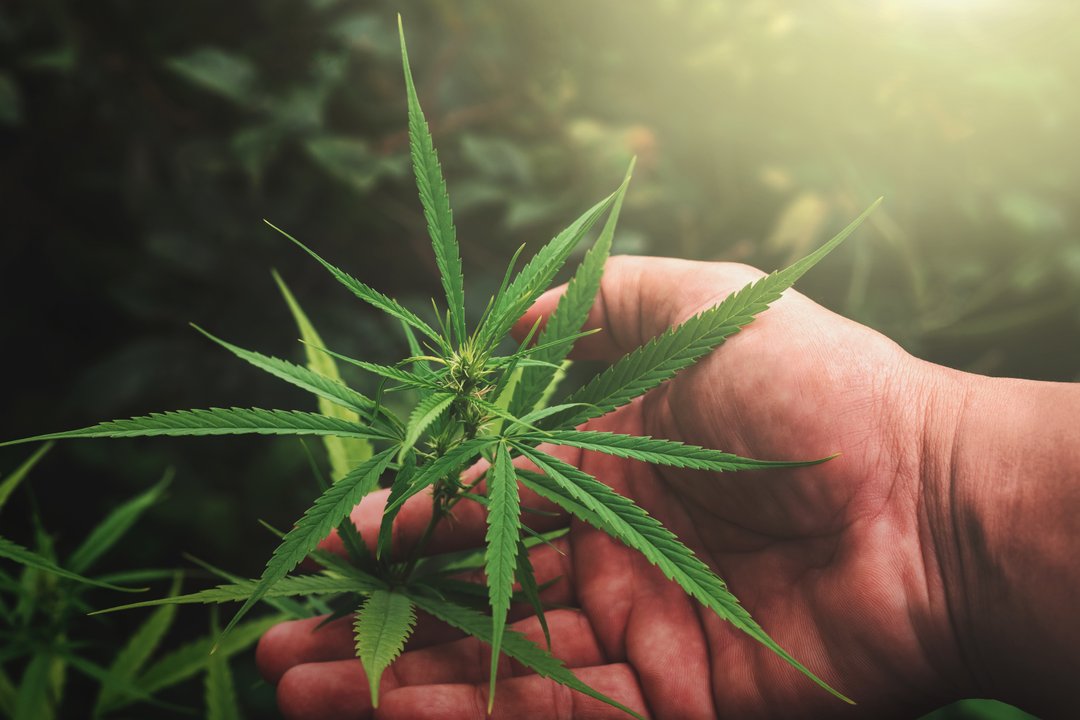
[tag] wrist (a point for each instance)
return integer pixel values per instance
(1001, 464)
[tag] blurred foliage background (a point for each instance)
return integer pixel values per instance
(143, 142)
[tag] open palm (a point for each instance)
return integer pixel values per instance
(835, 560)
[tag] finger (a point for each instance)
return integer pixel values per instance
(522, 698)
(340, 689)
(641, 297)
(297, 642)
(466, 527)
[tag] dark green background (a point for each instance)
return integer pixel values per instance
(143, 142)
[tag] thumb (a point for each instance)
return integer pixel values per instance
(641, 297)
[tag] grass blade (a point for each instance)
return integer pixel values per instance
(8, 695)
(31, 559)
(382, 626)
(218, 687)
(12, 481)
(192, 658)
(32, 702)
(109, 531)
(135, 653)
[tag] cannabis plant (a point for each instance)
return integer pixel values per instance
(44, 628)
(474, 402)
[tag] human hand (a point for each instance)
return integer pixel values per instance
(836, 561)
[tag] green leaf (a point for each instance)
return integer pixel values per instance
(436, 203)
(549, 391)
(514, 644)
(662, 357)
(31, 559)
(537, 275)
(219, 690)
(99, 674)
(335, 399)
(420, 368)
(217, 421)
(333, 505)
(660, 452)
(220, 72)
(398, 488)
(406, 378)
(8, 485)
(367, 294)
(344, 453)
(382, 626)
(571, 312)
(242, 590)
(33, 702)
(426, 412)
(8, 695)
(527, 579)
(133, 656)
(11, 112)
(452, 462)
(353, 160)
(109, 531)
(190, 659)
(620, 517)
(503, 536)
(296, 610)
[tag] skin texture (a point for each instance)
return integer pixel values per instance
(856, 566)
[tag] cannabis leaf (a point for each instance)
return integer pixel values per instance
(436, 204)
(570, 314)
(620, 517)
(218, 421)
(426, 412)
(29, 558)
(315, 525)
(455, 401)
(662, 357)
(382, 626)
(514, 644)
(369, 295)
(658, 452)
(537, 275)
(504, 530)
